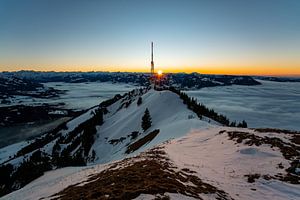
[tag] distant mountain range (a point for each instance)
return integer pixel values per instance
(12, 85)
(30, 83)
(179, 80)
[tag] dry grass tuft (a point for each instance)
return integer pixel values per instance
(136, 145)
(150, 173)
(290, 150)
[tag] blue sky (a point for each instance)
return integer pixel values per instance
(205, 36)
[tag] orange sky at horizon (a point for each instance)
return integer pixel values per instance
(260, 71)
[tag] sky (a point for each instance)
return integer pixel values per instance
(257, 37)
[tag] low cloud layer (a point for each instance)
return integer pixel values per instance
(271, 104)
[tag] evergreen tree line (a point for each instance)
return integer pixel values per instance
(76, 139)
(30, 169)
(42, 141)
(80, 139)
(202, 110)
(109, 102)
(97, 119)
(12, 178)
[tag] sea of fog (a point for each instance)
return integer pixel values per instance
(86, 95)
(77, 96)
(272, 104)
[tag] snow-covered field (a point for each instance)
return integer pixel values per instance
(272, 104)
(230, 162)
(209, 155)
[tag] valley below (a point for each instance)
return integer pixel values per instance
(271, 104)
(26, 116)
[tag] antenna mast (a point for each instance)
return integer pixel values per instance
(152, 62)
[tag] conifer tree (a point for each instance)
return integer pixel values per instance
(243, 124)
(146, 120)
(139, 102)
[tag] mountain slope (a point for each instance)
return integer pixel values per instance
(102, 134)
(204, 164)
(169, 115)
(181, 156)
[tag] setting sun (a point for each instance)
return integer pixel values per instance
(159, 72)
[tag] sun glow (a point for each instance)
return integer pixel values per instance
(159, 72)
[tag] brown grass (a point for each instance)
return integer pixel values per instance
(143, 176)
(296, 139)
(295, 134)
(289, 150)
(136, 145)
(252, 177)
(116, 141)
(274, 130)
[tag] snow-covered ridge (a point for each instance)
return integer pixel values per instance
(203, 164)
(103, 134)
(204, 159)
(168, 113)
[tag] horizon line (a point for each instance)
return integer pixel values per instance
(168, 72)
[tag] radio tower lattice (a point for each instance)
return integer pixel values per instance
(152, 62)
